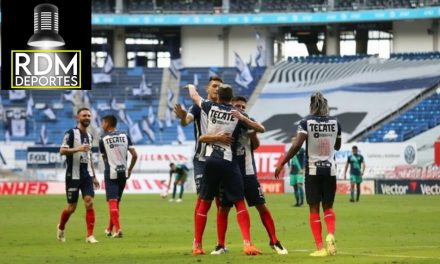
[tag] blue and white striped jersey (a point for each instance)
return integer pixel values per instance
(78, 164)
(114, 147)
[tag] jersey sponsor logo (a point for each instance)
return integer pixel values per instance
(322, 127)
(115, 141)
(410, 154)
(394, 189)
(221, 117)
(430, 189)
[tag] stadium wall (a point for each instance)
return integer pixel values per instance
(206, 46)
(410, 36)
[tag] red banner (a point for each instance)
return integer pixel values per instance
(272, 186)
(267, 157)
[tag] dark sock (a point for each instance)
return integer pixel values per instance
(181, 191)
(174, 190)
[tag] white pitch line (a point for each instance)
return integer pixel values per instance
(378, 255)
(386, 256)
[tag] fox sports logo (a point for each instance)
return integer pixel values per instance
(410, 154)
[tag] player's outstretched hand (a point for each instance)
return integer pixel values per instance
(278, 170)
(179, 111)
(95, 183)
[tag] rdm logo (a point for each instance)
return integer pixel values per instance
(43, 66)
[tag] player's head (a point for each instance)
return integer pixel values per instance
(239, 102)
(354, 150)
(225, 93)
(318, 105)
(109, 122)
(83, 116)
(172, 166)
(212, 87)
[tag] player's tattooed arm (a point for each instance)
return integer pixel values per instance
(249, 123)
(221, 137)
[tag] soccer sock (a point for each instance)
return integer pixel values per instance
(358, 189)
(315, 225)
(269, 224)
(330, 220)
(90, 221)
(110, 223)
(114, 214)
(64, 218)
(295, 192)
(222, 226)
(174, 190)
(200, 221)
(181, 191)
(243, 220)
(301, 194)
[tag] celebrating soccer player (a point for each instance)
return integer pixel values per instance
(322, 134)
(114, 146)
(357, 168)
(77, 148)
(221, 166)
(246, 144)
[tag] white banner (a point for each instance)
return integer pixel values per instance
(7, 156)
(158, 158)
(379, 157)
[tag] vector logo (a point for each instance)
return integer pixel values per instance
(54, 53)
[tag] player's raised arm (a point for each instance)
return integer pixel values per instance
(249, 122)
(296, 146)
(185, 119)
(197, 99)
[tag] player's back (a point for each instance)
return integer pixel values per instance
(322, 133)
(114, 146)
(221, 120)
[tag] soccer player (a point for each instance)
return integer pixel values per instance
(80, 174)
(114, 146)
(182, 173)
(357, 168)
(247, 143)
(322, 134)
(296, 177)
(221, 166)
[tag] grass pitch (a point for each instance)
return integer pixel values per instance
(379, 229)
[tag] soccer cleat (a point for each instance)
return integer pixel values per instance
(107, 233)
(60, 234)
(279, 248)
(117, 234)
(331, 244)
(351, 200)
(179, 200)
(91, 239)
(198, 251)
(319, 253)
(171, 200)
(219, 249)
(251, 250)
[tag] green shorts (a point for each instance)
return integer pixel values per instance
(181, 178)
(296, 178)
(355, 178)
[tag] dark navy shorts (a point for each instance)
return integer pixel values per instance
(224, 174)
(199, 169)
(252, 191)
(115, 187)
(85, 184)
(320, 189)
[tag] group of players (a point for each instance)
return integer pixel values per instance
(224, 168)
